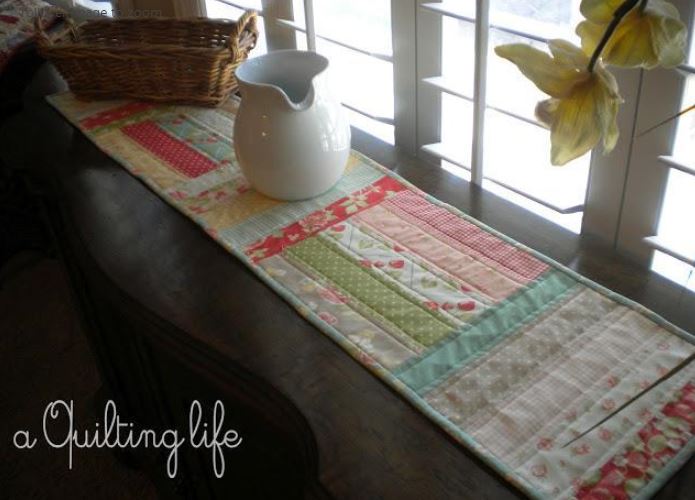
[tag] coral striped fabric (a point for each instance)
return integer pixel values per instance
(509, 352)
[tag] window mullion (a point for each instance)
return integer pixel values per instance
(608, 173)
(646, 183)
(482, 30)
(428, 63)
(277, 36)
(404, 43)
(309, 23)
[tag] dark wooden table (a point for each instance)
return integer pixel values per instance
(359, 439)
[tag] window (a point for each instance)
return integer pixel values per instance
(355, 35)
(423, 74)
(515, 160)
(675, 239)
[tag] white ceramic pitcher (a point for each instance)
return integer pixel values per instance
(291, 136)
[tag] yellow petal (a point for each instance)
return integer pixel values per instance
(631, 43)
(611, 132)
(568, 54)
(599, 11)
(549, 75)
(607, 104)
(669, 38)
(545, 111)
(647, 39)
(581, 119)
(608, 81)
(661, 8)
(590, 35)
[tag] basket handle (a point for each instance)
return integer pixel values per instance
(42, 38)
(247, 22)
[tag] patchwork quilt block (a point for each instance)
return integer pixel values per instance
(567, 389)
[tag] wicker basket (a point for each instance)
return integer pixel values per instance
(189, 61)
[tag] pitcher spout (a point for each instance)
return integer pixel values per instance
(288, 76)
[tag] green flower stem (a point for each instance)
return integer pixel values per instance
(618, 16)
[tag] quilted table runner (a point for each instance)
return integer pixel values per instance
(567, 389)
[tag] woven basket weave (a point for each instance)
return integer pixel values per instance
(188, 61)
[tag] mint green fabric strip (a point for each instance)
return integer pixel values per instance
(478, 337)
(276, 218)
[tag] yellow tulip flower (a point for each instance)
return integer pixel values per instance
(583, 105)
(646, 37)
